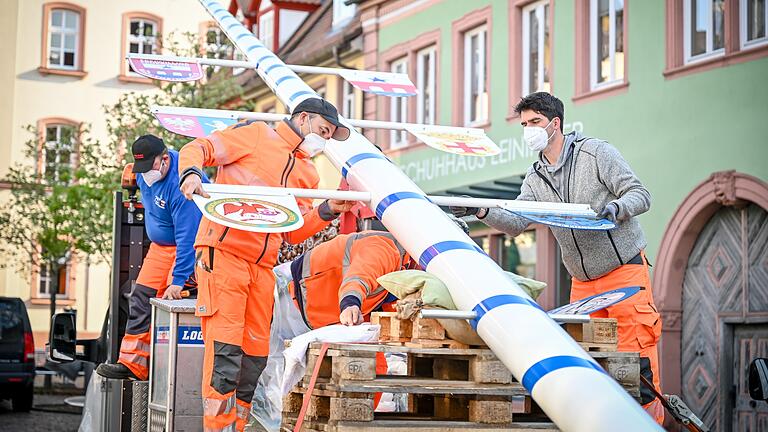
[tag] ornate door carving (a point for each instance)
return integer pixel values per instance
(726, 278)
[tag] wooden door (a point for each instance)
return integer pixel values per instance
(726, 283)
(749, 342)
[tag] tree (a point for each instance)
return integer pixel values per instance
(60, 204)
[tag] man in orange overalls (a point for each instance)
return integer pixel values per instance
(236, 283)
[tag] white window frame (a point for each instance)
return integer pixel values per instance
(64, 31)
(140, 40)
(612, 80)
(44, 282)
(267, 29)
(398, 105)
(428, 87)
(342, 12)
(347, 99)
(744, 43)
(538, 9)
(482, 75)
(57, 145)
(709, 53)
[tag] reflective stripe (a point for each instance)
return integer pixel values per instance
(135, 359)
(242, 412)
(216, 407)
(359, 280)
(306, 271)
(134, 344)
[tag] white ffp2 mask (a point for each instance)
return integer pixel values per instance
(536, 137)
(313, 143)
(153, 176)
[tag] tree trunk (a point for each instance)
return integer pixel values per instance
(53, 274)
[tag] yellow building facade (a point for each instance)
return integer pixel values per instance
(60, 63)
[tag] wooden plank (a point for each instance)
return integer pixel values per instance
(351, 409)
(490, 411)
(352, 368)
(397, 384)
(420, 426)
(427, 328)
(488, 369)
(597, 330)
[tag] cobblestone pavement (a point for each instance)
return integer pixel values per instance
(49, 413)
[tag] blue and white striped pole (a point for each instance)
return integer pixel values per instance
(571, 388)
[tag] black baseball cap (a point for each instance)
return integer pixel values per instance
(145, 149)
(327, 111)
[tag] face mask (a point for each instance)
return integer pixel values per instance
(536, 137)
(313, 143)
(153, 176)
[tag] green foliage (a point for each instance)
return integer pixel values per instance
(62, 203)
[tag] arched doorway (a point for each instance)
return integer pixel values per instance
(712, 289)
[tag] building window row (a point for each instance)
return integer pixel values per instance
(64, 39)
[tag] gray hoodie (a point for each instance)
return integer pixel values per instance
(589, 171)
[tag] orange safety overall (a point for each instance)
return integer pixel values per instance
(347, 265)
(639, 322)
(234, 268)
(154, 277)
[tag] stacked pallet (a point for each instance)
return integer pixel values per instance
(450, 386)
(599, 334)
(449, 389)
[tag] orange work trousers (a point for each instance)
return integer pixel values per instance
(234, 303)
(154, 277)
(639, 322)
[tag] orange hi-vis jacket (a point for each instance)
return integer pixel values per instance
(252, 153)
(347, 265)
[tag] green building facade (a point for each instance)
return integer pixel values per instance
(680, 87)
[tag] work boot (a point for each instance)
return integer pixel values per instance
(115, 371)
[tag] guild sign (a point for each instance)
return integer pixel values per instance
(251, 213)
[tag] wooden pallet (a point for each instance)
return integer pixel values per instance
(458, 388)
(599, 334)
(416, 333)
(394, 424)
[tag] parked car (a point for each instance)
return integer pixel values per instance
(17, 354)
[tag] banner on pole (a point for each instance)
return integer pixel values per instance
(596, 302)
(192, 125)
(165, 70)
(462, 141)
(380, 83)
(254, 213)
(566, 221)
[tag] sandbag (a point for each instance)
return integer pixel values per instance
(433, 290)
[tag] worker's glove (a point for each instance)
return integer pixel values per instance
(461, 212)
(609, 212)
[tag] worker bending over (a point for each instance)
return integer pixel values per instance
(576, 169)
(234, 269)
(171, 222)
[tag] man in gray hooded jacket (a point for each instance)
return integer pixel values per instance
(576, 169)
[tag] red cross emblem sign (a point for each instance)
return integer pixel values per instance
(461, 141)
